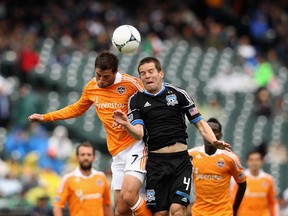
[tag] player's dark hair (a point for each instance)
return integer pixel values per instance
(149, 60)
(85, 144)
(107, 60)
(214, 120)
(254, 152)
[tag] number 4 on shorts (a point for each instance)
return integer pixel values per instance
(186, 181)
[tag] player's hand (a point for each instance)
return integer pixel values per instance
(36, 118)
(222, 145)
(120, 119)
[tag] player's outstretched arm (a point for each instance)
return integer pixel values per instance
(36, 117)
(207, 134)
(121, 120)
(239, 196)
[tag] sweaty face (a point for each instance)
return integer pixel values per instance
(151, 77)
(254, 162)
(85, 157)
(104, 78)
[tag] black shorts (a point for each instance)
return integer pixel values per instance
(168, 180)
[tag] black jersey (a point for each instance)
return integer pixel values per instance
(163, 115)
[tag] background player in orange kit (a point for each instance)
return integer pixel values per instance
(85, 190)
(260, 195)
(110, 91)
(212, 170)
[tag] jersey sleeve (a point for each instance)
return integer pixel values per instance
(71, 111)
(189, 108)
(236, 169)
(106, 196)
(134, 115)
(62, 194)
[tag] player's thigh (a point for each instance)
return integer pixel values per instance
(161, 213)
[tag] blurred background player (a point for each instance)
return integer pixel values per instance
(85, 190)
(160, 109)
(212, 170)
(260, 195)
(108, 91)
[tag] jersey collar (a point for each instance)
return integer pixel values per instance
(261, 174)
(202, 150)
(78, 173)
(118, 78)
(158, 93)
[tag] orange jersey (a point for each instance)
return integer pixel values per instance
(260, 196)
(85, 195)
(106, 101)
(211, 178)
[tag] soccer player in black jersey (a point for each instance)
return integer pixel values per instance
(161, 110)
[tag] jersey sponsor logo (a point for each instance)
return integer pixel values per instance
(150, 195)
(147, 104)
(112, 105)
(220, 163)
(208, 177)
(121, 89)
(171, 100)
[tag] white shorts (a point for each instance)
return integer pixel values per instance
(132, 161)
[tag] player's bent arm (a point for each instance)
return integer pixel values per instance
(136, 131)
(57, 211)
(108, 211)
(239, 196)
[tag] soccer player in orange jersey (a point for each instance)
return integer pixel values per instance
(85, 190)
(110, 91)
(260, 195)
(212, 170)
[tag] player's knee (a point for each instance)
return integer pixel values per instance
(177, 210)
(129, 197)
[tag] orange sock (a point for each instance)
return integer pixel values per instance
(140, 208)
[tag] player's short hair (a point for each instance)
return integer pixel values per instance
(106, 60)
(214, 120)
(149, 60)
(254, 152)
(85, 144)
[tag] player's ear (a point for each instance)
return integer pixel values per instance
(161, 73)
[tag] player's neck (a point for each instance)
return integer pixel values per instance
(85, 172)
(210, 150)
(254, 172)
